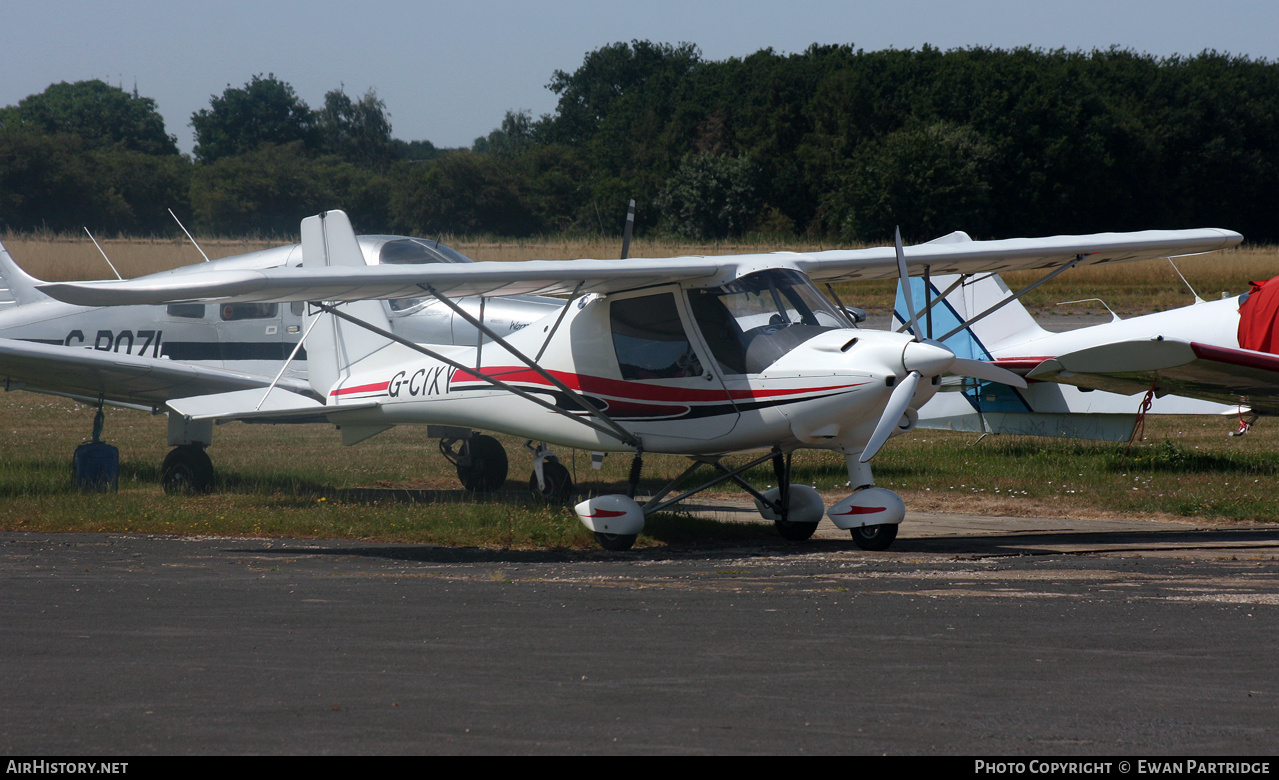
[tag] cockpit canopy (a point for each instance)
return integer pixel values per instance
(416, 251)
(399, 250)
(748, 324)
(753, 321)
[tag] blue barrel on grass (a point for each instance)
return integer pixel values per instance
(96, 467)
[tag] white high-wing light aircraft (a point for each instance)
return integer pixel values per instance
(142, 357)
(696, 356)
(1211, 357)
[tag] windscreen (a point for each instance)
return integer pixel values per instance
(753, 321)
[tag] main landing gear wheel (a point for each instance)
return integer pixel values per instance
(187, 470)
(875, 537)
(559, 485)
(488, 466)
(616, 542)
(795, 532)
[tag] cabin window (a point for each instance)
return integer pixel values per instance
(190, 311)
(250, 311)
(649, 339)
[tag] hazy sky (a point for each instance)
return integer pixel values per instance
(449, 70)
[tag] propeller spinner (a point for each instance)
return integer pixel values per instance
(924, 358)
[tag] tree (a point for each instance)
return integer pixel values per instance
(358, 131)
(929, 178)
(711, 196)
(271, 189)
(514, 137)
(461, 193)
(587, 95)
(101, 115)
(264, 111)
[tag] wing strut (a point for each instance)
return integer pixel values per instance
(1006, 301)
(927, 309)
(547, 341)
(656, 504)
(283, 368)
(625, 436)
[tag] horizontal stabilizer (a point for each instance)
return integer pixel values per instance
(245, 404)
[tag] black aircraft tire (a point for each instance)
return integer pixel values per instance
(187, 470)
(616, 542)
(488, 465)
(559, 485)
(875, 537)
(795, 532)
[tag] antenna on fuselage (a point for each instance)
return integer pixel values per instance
(104, 254)
(184, 230)
(628, 230)
(1183, 279)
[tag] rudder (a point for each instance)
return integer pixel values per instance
(334, 345)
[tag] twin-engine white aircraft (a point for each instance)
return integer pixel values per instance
(696, 356)
(141, 357)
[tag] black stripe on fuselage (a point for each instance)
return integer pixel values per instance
(235, 350)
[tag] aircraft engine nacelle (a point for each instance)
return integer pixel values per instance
(871, 506)
(806, 505)
(616, 514)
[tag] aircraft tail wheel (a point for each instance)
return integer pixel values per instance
(559, 485)
(487, 465)
(795, 532)
(874, 537)
(187, 470)
(616, 542)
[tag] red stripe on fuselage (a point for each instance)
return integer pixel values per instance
(618, 388)
(373, 388)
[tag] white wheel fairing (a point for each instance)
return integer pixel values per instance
(806, 505)
(616, 514)
(872, 506)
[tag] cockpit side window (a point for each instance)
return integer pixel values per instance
(191, 311)
(753, 321)
(650, 340)
(249, 311)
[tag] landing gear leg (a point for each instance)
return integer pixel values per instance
(789, 529)
(871, 514)
(550, 481)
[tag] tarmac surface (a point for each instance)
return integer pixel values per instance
(971, 636)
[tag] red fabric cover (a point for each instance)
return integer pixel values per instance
(1258, 317)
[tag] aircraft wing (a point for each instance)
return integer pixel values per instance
(1172, 367)
(127, 380)
(351, 280)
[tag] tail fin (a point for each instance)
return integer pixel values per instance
(1010, 324)
(17, 287)
(980, 340)
(334, 345)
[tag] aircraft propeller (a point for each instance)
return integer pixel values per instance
(924, 357)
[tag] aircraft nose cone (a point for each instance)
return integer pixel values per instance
(927, 359)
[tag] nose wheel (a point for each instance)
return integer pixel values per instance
(874, 537)
(556, 487)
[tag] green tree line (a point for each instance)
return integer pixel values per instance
(833, 142)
